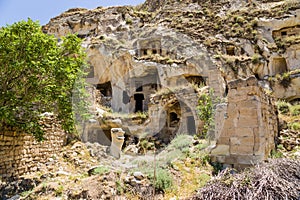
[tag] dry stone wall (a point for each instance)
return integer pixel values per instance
(246, 127)
(21, 153)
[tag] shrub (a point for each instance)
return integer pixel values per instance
(295, 126)
(283, 107)
(205, 110)
(59, 190)
(163, 180)
(255, 58)
(295, 110)
(128, 21)
(276, 154)
(285, 80)
(177, 149)
(181, 141)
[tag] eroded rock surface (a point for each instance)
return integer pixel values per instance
(137, 53)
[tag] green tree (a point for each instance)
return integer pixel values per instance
(205, 110)
(39, 74)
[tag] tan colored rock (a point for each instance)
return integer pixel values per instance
(117, 141)
(221, 150)
(250, 127)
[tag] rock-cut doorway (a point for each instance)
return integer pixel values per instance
(139, 98)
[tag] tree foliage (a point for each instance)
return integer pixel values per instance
(39, 74)
(205, 110)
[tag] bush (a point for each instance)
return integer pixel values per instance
(295, 126)
(205, 110)
(295, 110)
(181, 141)
(283, 107)
(256, 58)
(276, 154)
(163, 180)
(177, 149)
(285, 80)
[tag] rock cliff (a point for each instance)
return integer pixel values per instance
(136, 52)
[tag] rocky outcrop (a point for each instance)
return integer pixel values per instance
(137, 52)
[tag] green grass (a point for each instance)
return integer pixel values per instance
(26, 193)
(203, 179)
(295, 110)
(276, 154)
(100, 170)
(294, 126)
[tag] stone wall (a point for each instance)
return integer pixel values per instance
(21, 153)
(246, 127)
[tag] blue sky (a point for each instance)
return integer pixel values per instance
(43, 10)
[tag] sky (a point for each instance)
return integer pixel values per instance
(43, 10)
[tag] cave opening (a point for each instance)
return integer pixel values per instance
(105, 89)
(230, 50)
(139, 98)
(173, 119)
(279, 66)
(198, 80)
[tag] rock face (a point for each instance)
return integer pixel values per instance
(247, 125)
(149, 58)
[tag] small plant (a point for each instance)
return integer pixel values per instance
(205, 110)
(170, 61)
(26, 193)
(100, 170)
(146, 145)
(255, 58)
(128, 21)
(181, 141)
(142, 115)
(283, 107)
(190, 15)
(203, 179)
(285, 80)
(204, 158)
(276, 154)
(163, 180)
(59, 190)
(120, 187)
(294, 126)
(295, 110)
(217, 167)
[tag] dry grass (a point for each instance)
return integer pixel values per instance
(275, 179)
